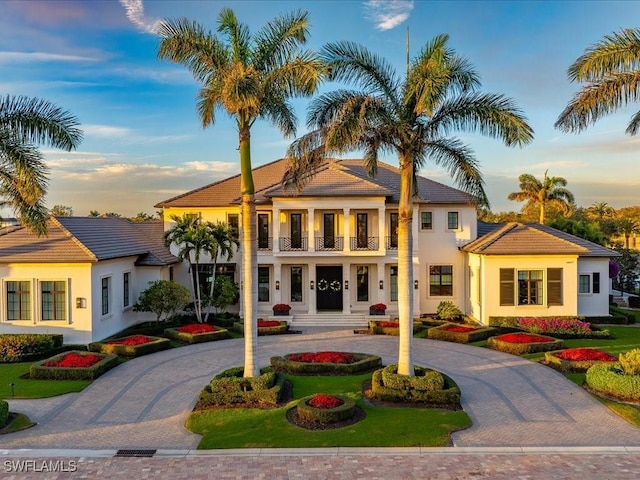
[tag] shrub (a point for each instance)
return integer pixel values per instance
(424, 379)
(126, 348)
(630, 362)
(386, 327)
(608, 379)
(25, 347)
(576, 359)
(448, 311)
(281, 308)
(164, 298)
(277, 328)
(40, 370)
(522, 344)
(363, 363)
(634, 302)
(230, 388)
(452, 332)
(199, 333)
(4, 413)
(316, 409)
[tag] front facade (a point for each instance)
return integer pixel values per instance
(331, 249)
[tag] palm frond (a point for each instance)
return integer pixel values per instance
(634, 124)
(238, 35)
(279, 39)
(281, 114)
(304, 156)
(300, 76)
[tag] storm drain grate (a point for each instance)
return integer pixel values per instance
(135, 453)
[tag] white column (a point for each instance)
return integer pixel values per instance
(346, 294)
(275, 225)
(311, 274)
(382, 246)
(277, 277)
(415, 223)
(311, 234)
(346, 233)
(382, 297)
(421, 286)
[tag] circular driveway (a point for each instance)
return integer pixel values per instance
(144, 403)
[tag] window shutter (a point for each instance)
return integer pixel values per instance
(596, 282)
(507, 287)
(554, 286)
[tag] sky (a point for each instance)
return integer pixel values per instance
(143, 141)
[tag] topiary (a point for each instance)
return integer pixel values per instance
(630, 362)
(448, 311)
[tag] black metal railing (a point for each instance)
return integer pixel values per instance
(364, 243)
(323, 244)
(289, 244)
(392, 242)
(265, 243)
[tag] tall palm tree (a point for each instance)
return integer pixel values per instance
(601, 211)
(549, 192)
(24, 123)
(224, 239)
(610, 70)
(249, 77)
(627, 227)
(412, 117)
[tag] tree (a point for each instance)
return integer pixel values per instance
(62, 211)
(627, 227)
(94, 213)
(164, 298)
(142, 217)
(225, 292)
(413, 118)
(628, 276)
(609, 70)
(600, 211)
(224, 239)
(249, 77)
(587, 230)
(541, 195)
(24, 123)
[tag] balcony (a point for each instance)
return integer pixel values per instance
(265, 244)
(329, 244)
(391, 242)
(363, 243)
(289, 244)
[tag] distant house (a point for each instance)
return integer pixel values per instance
(330, 251)
(82, 279)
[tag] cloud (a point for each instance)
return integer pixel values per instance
(129, 136)
(388, 14)
(135, 14)
(29, 57)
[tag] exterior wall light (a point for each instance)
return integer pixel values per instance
(381, 284)
(346, 284)
(277, 284)
(312, 284)
(415, 284)
(81, 302)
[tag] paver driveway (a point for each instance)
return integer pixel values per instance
(145, 402)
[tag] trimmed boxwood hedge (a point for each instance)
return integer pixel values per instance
(26, 347)
(569, 365)
(394, 331)
(230, 388)
(4, 413)
(156, 345)
(437, 333)
(324, 416)
(364, 363)
(279, 330)
(186, 337)
(523, 348)
(446, 396)
(39, 371)
(609, 380)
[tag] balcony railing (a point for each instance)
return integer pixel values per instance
(364, 243)
(326, 244)
(288, 244)
(392, 243)
(265, 244)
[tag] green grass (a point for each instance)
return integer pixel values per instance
(21, 422)
(26, 388)
(382, 427)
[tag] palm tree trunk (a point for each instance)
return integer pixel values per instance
(542, 208)
(198, 303)
(249, 257)
(214, 255)
(405, 268)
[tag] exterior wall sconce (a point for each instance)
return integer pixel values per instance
(346, 284)
(415, 284)
(277, 284)
(311, 284)
(81, 302)
(381, 284)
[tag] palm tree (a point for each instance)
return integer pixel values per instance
(610, 70)
(250, 78)
(601, 211)
(413, 118)
(627, 227)
(24, 123)
(549, 192)
(223, 238)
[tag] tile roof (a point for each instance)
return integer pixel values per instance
(534, 239)
(335, 178)
(87, 239)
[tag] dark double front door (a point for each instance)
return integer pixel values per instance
(328, 288)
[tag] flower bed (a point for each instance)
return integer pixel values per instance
(523, 343)
(326, 363)
(577, 359)
(230, 388)
(131, 346)
(323, 409)
(386, 327)
(452, 332)
(196, 333)
(73, 365)
(266, 327)
(560, 327)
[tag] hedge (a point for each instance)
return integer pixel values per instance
(394, 331)
(523, 348)
(364, 363)
(230, 388)
(608, 379)
(282, 328)
(186, 337)
(307, 413)
(26, 347)
(156, 345)
(39, 371)
(4, 413)
(437, 333)
(448, 396)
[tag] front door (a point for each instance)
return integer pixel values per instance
(329, 288)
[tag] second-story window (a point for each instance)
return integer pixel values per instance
(263, 230)
(361, 230)
(452, 221)
(329, 230)
(393, 230)
(234, 223)
(296, 230)
(426, 221)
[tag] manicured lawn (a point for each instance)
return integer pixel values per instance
(382, 427)
(26, 388)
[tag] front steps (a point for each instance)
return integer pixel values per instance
(620, 302)
(353, 320)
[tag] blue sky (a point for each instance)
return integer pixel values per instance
(143, 141)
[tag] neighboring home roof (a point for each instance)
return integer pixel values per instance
(87, 239)
(334, 178)
(534, 239)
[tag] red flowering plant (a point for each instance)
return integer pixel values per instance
(322, 357)
(268, 323)
(281, 308)
(390, 324)
(378, 307)
(75, 360)
(524, 338)
(132, 340)
(196, 328)
(584, 354)
(324, 401)
(457, 328)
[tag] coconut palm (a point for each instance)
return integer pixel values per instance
(249, 77)
(412, 117)
(224, 239)
(610, 70)
(24, 123)
(601, 211)
(540, 195)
